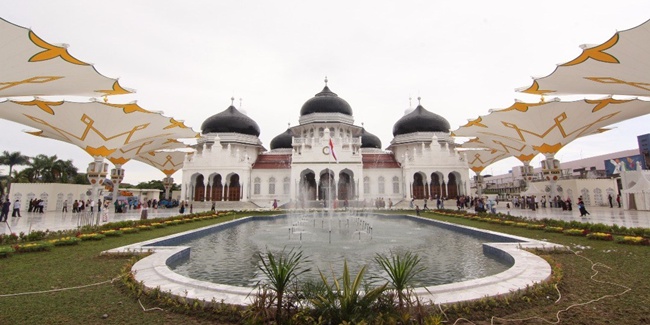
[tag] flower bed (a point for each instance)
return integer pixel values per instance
(522, 224)
(144, 227)
(112, 233)
(574, 232)
(600, 236)
(130, 230)
(33, 247)
(6, 251)
(65, 241)
(554, 229)
(93, 236)
(158, 225)
(535, 226)
(634, 240)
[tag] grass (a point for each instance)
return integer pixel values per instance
(69, 266)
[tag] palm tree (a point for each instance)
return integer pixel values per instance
(13, 159)
(402, 270)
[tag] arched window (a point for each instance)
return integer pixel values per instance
(380, 184)
(286, 186)
(272, 185)
(257, 185)
(395, 185)
(366, 185)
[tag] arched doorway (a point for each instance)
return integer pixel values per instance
(234, 188)
(216, 192)
(346, 185)
(436, 186)
(452, 186)
(307, 186)
(326, 185)
(199, 188)
(419, 191)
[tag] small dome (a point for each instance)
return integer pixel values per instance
(326, 102)
(420, 120)
(282, 140)
(369, 140)
(230, 121)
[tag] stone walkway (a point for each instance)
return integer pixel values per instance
(60, 221)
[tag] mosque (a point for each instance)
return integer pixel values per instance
(325, 158)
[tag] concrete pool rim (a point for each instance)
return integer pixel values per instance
(527, 268)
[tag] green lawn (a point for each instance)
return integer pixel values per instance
(69, 266)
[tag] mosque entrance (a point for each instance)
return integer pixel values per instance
(216, 192)
(307, 186)
(199, 189)
(452, 186)
(234, 188)
(419, 191)
(346, 186)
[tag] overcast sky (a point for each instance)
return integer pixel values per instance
(187, 58)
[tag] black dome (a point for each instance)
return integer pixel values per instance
(282, 140)
(230, 121)
(369, 140)
(420, 120)
(326, 102)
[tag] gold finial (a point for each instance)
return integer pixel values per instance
(240, 103)
(410, 103)
(419, 98)
(541, 99)
(325, 81)
(232, 101)
(105, 99)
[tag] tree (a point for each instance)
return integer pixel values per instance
(51, 169)
(13, 159)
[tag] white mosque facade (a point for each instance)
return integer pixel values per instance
(325, 158)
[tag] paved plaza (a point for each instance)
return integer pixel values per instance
(62, 221)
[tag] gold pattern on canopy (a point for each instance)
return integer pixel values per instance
(168, 162)
(98, 128)
(479, 159)
(33, 67)
(619, 66)
(547, 127)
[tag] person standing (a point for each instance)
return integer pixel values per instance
(16, 209)
(5, 211)
(65, 207)
(618, 200)
(610, 199)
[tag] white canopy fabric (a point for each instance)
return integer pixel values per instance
(98, 128)
(477, 160)
(168, 162)
(549, 126)
(33, 67)
(122, 155)
(619, 66)
(521, 151)
(533, 190)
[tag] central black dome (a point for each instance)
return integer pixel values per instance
(230, 121)
(420, 120)
(326, 102)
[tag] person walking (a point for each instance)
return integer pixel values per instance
(5, 211)
(16, 212)
(65, 207)
(581, 207)
(618, 200)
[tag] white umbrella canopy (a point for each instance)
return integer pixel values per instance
(98, 128)
(168, 162)
(519, 150)
(619, 66)
(165, 141)
(33, 67)
(479, 159)
(548, 126)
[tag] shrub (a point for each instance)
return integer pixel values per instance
(633, 240)
(554, 229)
(535, 226)
(111, 233)
(130, 230)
